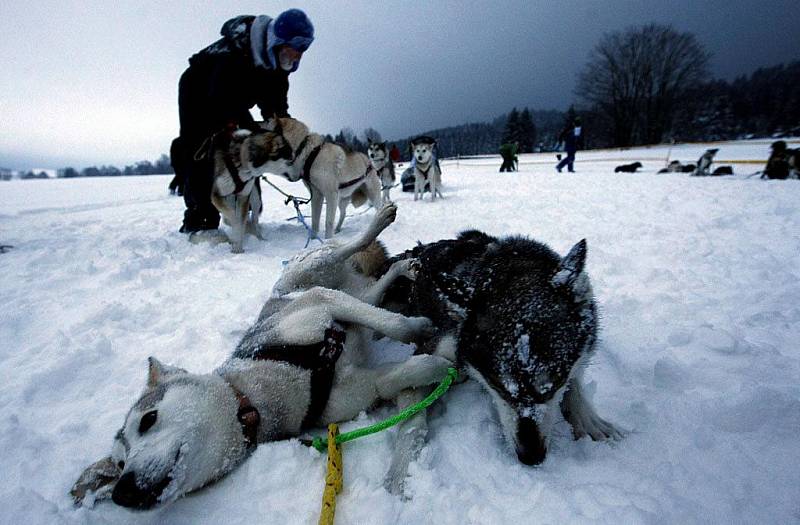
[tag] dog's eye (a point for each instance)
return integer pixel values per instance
(147, 421)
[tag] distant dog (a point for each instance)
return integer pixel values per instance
(704, 163)
(333, 176)
(518, 318)
(676, 167)
(378, 154)
(628, 168)
(722, 170)
(239, 160)
(300, 365)
(783, 163)
(426, 167)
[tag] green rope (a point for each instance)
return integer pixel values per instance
(321, 444)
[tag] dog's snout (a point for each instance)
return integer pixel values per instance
(531, 448)
(127, 492)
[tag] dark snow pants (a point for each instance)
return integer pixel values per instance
(197, 175)
(567, 161)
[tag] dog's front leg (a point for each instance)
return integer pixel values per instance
(385, 216)
(355, 389)
(417, 189)
(411, 436)
(405, 268)
(345, 308)
(579, 412)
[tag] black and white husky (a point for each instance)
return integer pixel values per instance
(378, 154)
(518, 318)
(301, 364)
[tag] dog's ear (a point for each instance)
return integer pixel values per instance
(383, 144)
(272, 122)
(158, 371)
(369, 141)
(571, 266)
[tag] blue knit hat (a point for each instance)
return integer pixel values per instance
(293, 28)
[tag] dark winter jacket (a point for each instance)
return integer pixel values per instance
(571, 142)
(223, 82)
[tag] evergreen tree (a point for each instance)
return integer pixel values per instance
(511, 132)
(527, 132)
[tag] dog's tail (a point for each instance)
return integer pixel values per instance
(359, 197)
(371, 260)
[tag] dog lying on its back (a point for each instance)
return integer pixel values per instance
(301, 364)
(519, 319)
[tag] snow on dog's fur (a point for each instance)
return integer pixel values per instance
(301, 364)
(519, 319)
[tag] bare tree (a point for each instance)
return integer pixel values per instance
(635, 79)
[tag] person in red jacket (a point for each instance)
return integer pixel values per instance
(394, 153)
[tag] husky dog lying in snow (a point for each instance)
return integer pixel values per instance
(426, 168)
(628, 168)
(378, 154)
(332, 175)
(518, 318)
(676, 167)
(239, 160)
(299, 365)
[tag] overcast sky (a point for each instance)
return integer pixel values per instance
(95, 82)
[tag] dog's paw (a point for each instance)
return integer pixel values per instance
(421, 327)
(386, 216)
(408, 268)
(96, 483)
(596, 428)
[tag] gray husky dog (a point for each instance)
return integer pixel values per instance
(300, 365)
(239, 160)
(518, 318)
(378, 153)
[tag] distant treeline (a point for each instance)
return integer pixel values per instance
(160, 167)
(630, 92)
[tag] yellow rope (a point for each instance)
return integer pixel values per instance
(333, 478)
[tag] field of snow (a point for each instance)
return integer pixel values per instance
(698, 282)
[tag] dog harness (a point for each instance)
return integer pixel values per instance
(318, 358)
(356, 180)
(425, 172)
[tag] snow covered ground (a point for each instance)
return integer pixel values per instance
(698, 282)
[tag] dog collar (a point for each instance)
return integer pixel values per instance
(248, 417)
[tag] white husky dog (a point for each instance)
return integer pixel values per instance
(330, 173)
(299, 365)
(426, 168)
(378, 154)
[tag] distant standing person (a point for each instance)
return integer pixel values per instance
(508, 152)
(394, 153)
(248, 66)
(570, 136)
